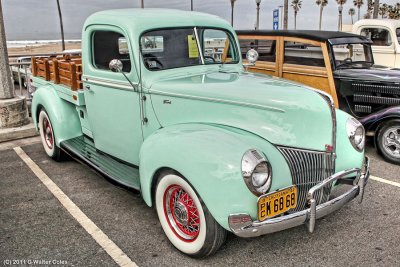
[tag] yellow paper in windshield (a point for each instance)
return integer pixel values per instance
(192, 47)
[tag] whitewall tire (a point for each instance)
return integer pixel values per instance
(185, 219)
(47, 136)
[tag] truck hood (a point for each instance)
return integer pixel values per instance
(279, 111)
(374, 73)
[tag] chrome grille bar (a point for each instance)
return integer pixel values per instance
(376, 99)
(308, 168)
(374, 88)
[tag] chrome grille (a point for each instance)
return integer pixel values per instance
(308, 168)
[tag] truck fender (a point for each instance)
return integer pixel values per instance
(209, 157)
(372, 121)
(63, 115)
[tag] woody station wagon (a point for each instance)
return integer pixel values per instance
(164, 106)
(342, 65)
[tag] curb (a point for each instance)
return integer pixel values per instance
(9, 134)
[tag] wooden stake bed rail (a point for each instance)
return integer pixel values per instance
(66, 70)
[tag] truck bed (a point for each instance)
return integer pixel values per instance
(65, 70)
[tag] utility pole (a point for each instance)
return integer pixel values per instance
(232, 7)
(61, 25)
(142, 3)
(191, 5)
(13, 111)
(285, 14)
(258, 2)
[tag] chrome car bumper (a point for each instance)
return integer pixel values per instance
(243, 226)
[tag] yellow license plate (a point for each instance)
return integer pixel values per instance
(276, 203)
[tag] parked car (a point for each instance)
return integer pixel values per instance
(342, 65)
(385, 36)
(212, 147)
(22, 71)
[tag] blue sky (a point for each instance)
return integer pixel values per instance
(38, 19)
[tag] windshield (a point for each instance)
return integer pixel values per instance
(176, 48)
(352, 55)
(398, 34)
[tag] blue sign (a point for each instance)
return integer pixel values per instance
(275, 20)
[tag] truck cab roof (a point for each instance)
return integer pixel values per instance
(137, 20)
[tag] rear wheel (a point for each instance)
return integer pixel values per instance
(47, 136)
(388, 141)
(185, 219)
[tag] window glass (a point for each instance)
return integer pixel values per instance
(108, 45)
(217, 47)
(172, 48)
(352, 55)
(175, 48)
(398, 34)
(266, 48)
(303, 54)
(378, 36)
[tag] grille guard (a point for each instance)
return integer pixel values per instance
(243, 226)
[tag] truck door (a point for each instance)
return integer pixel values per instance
(113, 106)
(383, 45)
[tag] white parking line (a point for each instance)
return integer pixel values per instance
(384, 181)
(101, 238)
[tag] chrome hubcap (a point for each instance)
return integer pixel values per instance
(182, 213)
(391, 141)
(47, 133)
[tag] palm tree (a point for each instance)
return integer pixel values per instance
(296, 4)
(358, 4)
(376, 9)
(340, 3)
(322, 4)
(383, 10)
(285, 14)
(370, 8)
(61, 26)
(352, 12)
(232, 6)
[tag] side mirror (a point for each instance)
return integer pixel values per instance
(252, 56)
(116, 65)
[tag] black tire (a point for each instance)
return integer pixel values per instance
(204, 240)
(388, 142)
(47, 136)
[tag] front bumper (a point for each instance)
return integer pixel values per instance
(243, 226)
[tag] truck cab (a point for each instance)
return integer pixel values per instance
(159, 101)
(385, 37)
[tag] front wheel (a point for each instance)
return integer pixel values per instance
(388, 141)
(185, 219)
(47, 136)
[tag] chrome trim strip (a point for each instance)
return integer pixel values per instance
(198, 45)
(108, 83)
(156, 92)
(242, 225)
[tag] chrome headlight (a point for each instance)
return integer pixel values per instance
(257, 172)
(356, 133)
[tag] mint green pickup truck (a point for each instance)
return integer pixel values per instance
(164, 105)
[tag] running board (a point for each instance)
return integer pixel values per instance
(82, 149)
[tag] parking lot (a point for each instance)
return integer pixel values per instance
(34, 225)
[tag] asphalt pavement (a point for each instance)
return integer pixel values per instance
(35, 226)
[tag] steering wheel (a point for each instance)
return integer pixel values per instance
(151, 58)
(348, 60)
(210, 57)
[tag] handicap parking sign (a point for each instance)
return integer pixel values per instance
(275, 21)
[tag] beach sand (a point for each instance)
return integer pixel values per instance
(37, 49)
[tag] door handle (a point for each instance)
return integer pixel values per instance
(88, 87)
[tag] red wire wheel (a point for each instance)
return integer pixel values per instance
(181, 213)
(47, 133)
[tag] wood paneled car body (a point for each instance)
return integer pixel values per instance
(340, 64)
